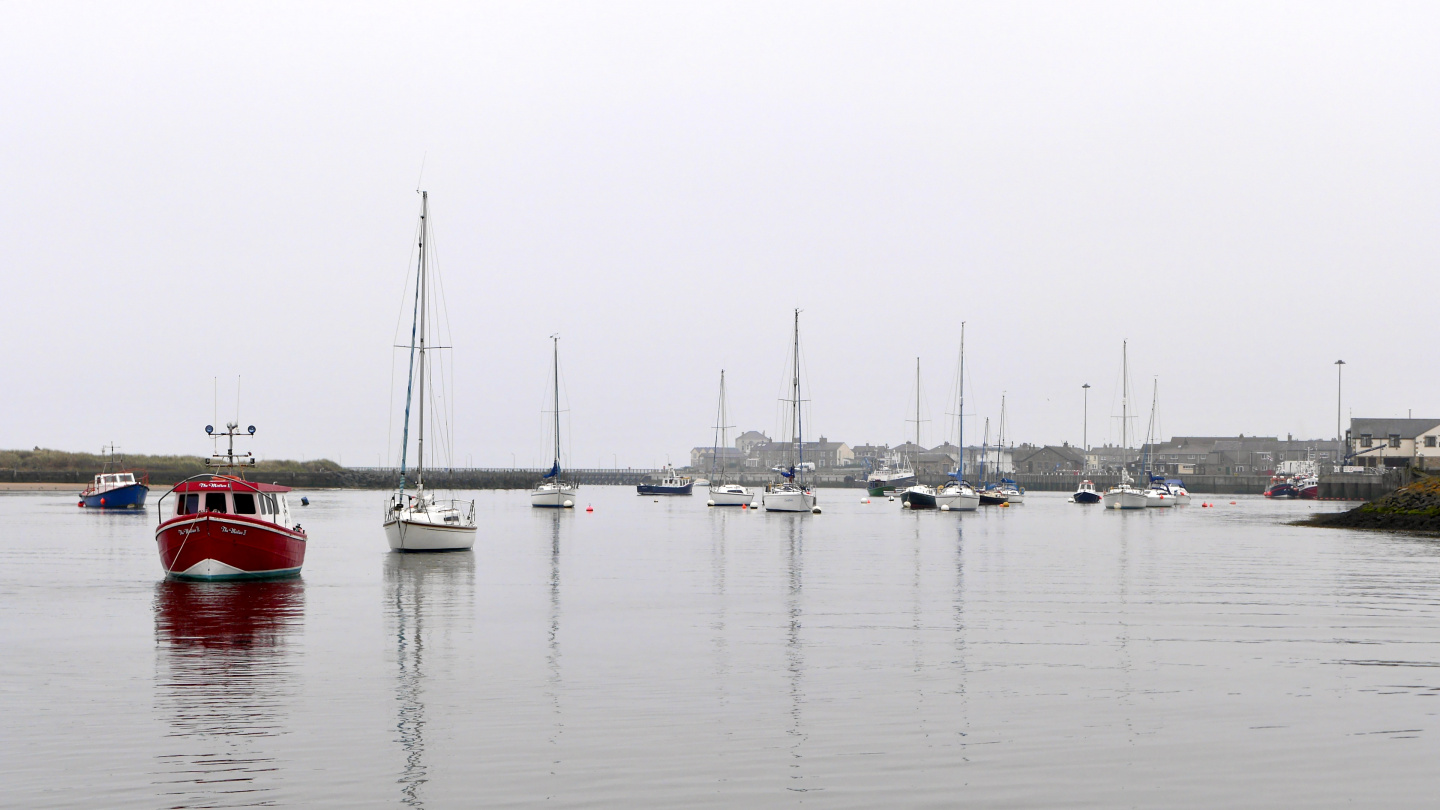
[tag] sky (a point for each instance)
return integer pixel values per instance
(193, 195)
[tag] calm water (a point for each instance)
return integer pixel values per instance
(663, 655)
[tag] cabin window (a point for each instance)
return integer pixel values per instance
(215, 502)
(267, 505)
(187, 504)
(244, 503)
(1394, 439)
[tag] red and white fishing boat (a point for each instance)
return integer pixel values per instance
(220, 526)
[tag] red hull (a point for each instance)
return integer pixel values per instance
(214, 545)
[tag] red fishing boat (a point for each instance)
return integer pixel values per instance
(220, 526)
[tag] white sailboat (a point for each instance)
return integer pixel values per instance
(723, 493)
(551, 492)
(1123, 495)
(1157, 492)
(792, 494)
(956, 494)
(421, 521)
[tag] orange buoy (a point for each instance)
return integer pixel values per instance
(589, 508)
(1232, 503)
(744, 506)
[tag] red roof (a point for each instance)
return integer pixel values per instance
(226, 483)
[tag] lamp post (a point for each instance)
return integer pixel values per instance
(1339, 437)
(1085, 432)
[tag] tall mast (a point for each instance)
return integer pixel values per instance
(720, 437)
(960, 421)
(1124, 398)
(1000, 442)
(424, 306)
(917, 409)
(414, 324)
(799, 433)
(1150, 430)
(555, 339)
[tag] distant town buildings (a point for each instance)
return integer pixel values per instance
(1382, 443)
(1377, 443)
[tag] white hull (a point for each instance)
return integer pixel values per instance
(788, 501)
(961, 502)
(1131, 499)
(553, 497)
(1015, 496)
(1159, 500)
(423, 535)
(727, 496)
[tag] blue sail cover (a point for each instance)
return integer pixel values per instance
(554, 471)
(790, 474)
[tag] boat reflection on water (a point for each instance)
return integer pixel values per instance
(224, 676)
(424, 594)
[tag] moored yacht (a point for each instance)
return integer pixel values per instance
(791, 493)
(552, 492)
(222, 527)
(724, 492)
(420, 521)
(1124, 495)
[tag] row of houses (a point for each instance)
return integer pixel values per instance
(1369, 443)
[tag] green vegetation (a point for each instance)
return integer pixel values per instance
(46, 460)
(1412, 508)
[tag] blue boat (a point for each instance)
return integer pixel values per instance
(120, 490)
(671, 484)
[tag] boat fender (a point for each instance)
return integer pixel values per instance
(102, 501)
(904, 504)
(944, 507)
(709, 503)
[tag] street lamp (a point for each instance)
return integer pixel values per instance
(1085, 432)
(1339, 437)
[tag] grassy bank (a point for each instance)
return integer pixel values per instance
(44, 460)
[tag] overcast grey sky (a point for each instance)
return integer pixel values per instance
(1246, 191)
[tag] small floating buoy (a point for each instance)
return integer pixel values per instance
(304, 501)
(81, 504)
(709, 503)
(657, 500)
(744, 506)
(102, 501)
(569, 504)
(944, 507)
(1006, 504)
(754, 504)
(1232, 503)
(815, 510)
(892, 498)
(589, 508)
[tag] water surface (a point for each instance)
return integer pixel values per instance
(663, 654)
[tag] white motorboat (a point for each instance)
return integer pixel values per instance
(792, 494)
(723, 493)
(552, 492)
(421, 521)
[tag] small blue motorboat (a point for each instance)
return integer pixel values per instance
(122, 490)
(671, 484)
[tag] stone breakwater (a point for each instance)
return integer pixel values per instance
(1414, 508)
